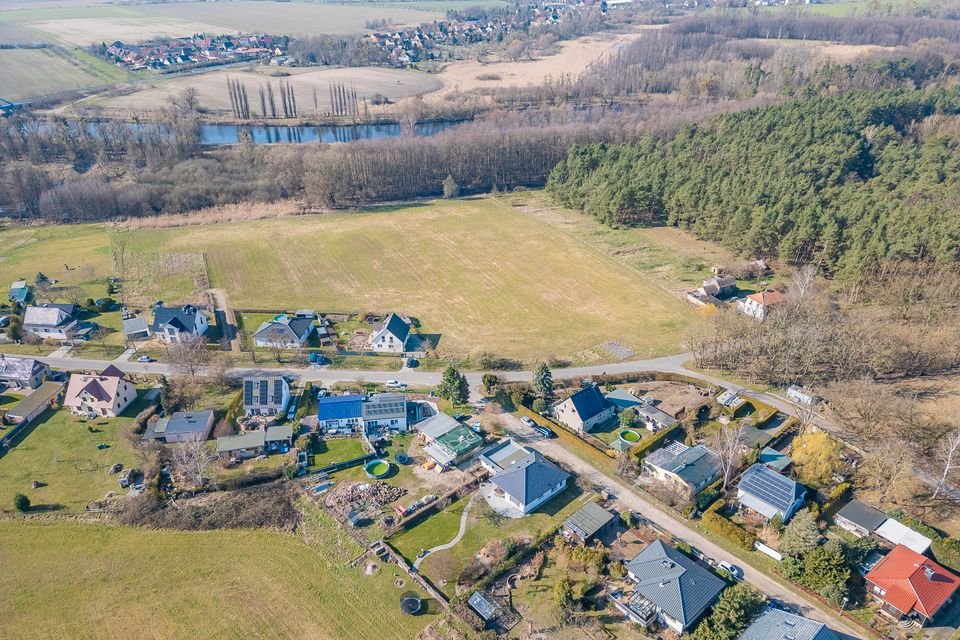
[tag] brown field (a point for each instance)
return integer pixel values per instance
(291, 18)
(834, 50)
(212, 87)
(573, 58)
(85, 31)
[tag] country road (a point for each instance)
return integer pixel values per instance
(627, 497)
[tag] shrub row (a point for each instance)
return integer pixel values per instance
(724, 527)
(304, 403)
(235, 409)
(709, 496)
(946, 550)
(543, 421)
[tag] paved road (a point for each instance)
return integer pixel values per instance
(631, 499)
(456, 538)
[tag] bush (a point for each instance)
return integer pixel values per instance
(21, 502)
(304, 402)
(304, 442)
(539, 405)
(654, 443)
(720, 525)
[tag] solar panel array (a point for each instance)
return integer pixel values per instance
(248, 392)
(277, 390)
(771, 487)
(263, 391)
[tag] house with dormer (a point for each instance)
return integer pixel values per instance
(105, 394)
(390, 336)
(178, 324)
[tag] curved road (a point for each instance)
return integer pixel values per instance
(443, 547)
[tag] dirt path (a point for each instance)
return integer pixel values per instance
(226, 319)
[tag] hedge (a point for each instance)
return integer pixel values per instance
(235, 409)
(724, 527)
(653, 443)
(709, 496)
(304, 402)
(946, 550)
(591, 440)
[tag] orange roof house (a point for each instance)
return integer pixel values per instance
(759, 304)
(106, 394)
(910, 585)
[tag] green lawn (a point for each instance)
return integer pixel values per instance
(73, 580)
(7, 400)
(63, 70)
(327, 452)
(85, 249)
(60, 452)
(438, 529)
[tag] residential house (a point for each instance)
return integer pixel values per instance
(801, 395)
(385, 411)
(530, 481)
(897, 533)
(692, 469)
(19, 292)
(136, 328)
(284, 331)
(22, 373)
(719, 286)
(623, 399)
(181, 426)
(912, 586)
(178, 324)
(769, 493)
(242, 446)
(265, 395)
(340, 413)
(52, 321)
(502, 455)
(105, 394)
(585, 409)
(654, 418)
(776, 460)
(675, 587)
(390, 336)
(776, 624)
(40, 399)
(447, 441)
(859, 519)
(760, 304)
(278, 438)
(589, 522)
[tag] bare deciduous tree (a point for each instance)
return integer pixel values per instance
(727, 443)
(947, 455)
(219, 370)
(803, 284)
(191, 459)
(189, 356)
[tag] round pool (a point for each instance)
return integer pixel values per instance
(377, 468)
(280, 317)
(630, 436)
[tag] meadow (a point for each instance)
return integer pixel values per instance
(477, 272)
(109, 581)
(62, 71)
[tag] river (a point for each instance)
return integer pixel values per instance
(217, 134)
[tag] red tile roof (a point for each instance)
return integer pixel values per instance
(913, 581)
(767, 298)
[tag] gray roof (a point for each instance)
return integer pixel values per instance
(775, 489)
(40, 396)
(774, 624)
(588, 402)
(694, 465)
(50, 315)
(655, 414)
(503, 454)
(196, 422)
(288, 329)
(677, 585)
(135, 325)
(623, 398)
(529, 478)
(279, 433)
(862, 515)
(395, 325)
(384, 406)
(437, 425)
(588, 520)
(182, 318)
(19, 369)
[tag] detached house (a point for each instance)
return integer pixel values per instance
(671, 588)
(692, 468)
(530, 481)
(178, 324)
(390, 336)
(284, 331)
(769, 493)
(355, 411)
(182, 426)
(52, 321)
(19, 292)
(760, 304)
(719, 286)
(911, 586)
(585, 409)
(776, 624)
(105, 394)
(22, 373)
(265, 395)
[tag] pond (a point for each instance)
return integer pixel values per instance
(220, 134)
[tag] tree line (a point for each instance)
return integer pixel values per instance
(843, 182)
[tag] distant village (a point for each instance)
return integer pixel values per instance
(196, 50)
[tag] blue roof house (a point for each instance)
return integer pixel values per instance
(19, 292)
(585, 409)
(774, 624)
(769, 493)
(340, 412)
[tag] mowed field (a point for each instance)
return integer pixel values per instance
(24, 251)
(26, 73)
(478, 272)
(73, 580)
(212, 87)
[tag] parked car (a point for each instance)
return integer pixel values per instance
(527, 421)
(412, 362)
(459, 416)
(144, 359)
(546, 433)
(732, 569)
(394, 384)
(322, 392)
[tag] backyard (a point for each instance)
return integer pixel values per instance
(60, 452)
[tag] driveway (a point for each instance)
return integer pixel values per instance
(631, 499)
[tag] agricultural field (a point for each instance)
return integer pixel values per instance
(60, 451)
(72, 254)
(307, 83)
(479, 273)
(62, 71)
(244, 584)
